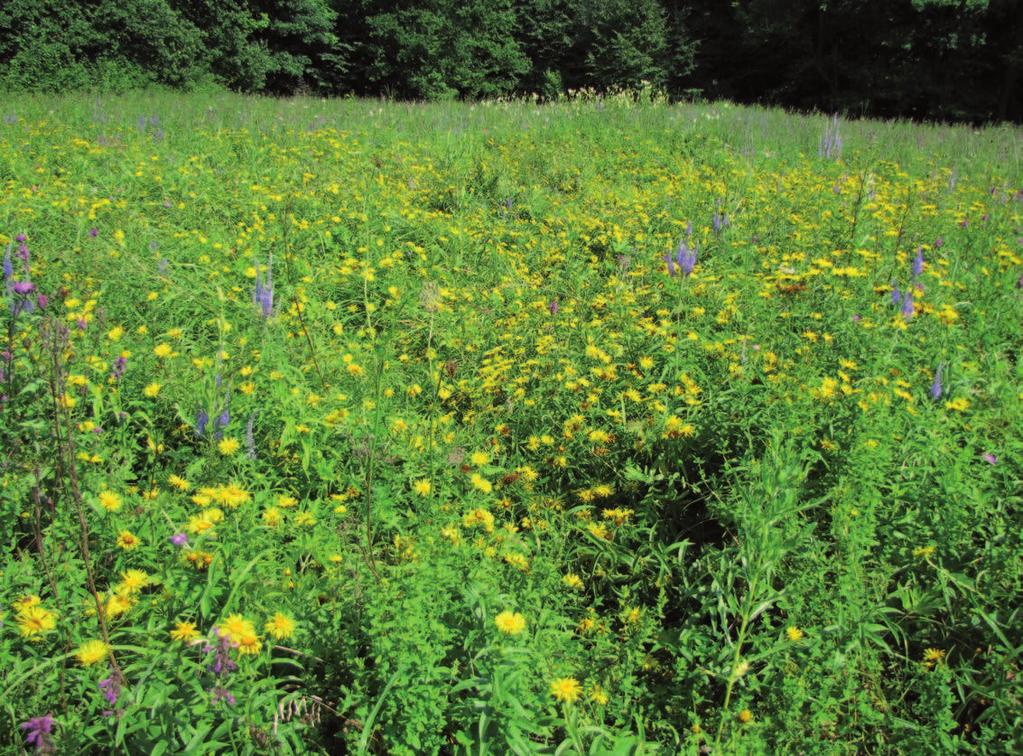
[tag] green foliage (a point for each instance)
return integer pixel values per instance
(481, 475)
(626, 43)
(918, 58)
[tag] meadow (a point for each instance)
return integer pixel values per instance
(599, 426)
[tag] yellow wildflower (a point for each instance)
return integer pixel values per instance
(510, 623)
(92, 652)
(566, 689)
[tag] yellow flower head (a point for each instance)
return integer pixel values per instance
(109, 501)
(236, 627)
(280, 626)
(510, 623)
(933, 656)
(794, 633)
(127, 540)
(228, 446)
(566, 689)
(34, 620)
(133, 581)
(249, 644)
(153, 389)
(184, 632)
(421, 487)
(92, 652)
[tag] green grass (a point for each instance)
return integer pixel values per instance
(733, 509)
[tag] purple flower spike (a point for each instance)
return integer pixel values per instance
(990, 458)
(111, 687)
(918, 262)
(201, 420)
(223, 694)
(120, 364)
(37, 733)
(250, 437)
(41, 301)
(263, 295)
(552, 306)
(908, 308)
(936, 388)
(671, 264)
(896, 295)
(686, 258)
(8, 265)
(23, 287)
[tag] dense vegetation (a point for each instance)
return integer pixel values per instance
(604, 425)
(945, 59)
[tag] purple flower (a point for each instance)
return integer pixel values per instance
(552, 306)
(936, 389)
(111, 687)
(93, 232)
(719, 222)
(939, 243)
(23, 287)
(222, 663)
(20, 238)
(264, 293)
(42, 300)
(671, 264)
(201, 420)
(8, 265)
(120, 364)
(896, 295)
(918, 262)
(37, 732)
(222, 694)
(179, 539)
(856, 318)
(250, 439)
(990, 458)
(908, 309)
(686, 258)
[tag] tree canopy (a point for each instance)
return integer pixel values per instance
(942, 59)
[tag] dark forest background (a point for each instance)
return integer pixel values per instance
(924, 59)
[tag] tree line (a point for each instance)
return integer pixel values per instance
(937, 59)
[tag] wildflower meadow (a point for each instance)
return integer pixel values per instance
(597, 426)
